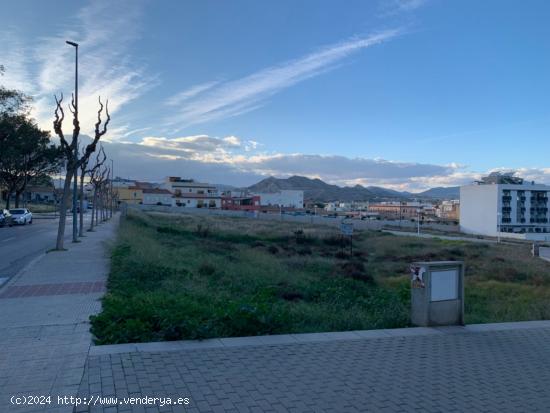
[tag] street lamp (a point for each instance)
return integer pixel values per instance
(75, 185)
(499, 216)
(418, 221)
(112, 177)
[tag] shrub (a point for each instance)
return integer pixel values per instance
(206, 269)
(356, 270)
(273, 249)
(202, 231)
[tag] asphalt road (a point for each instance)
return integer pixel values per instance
(21, 243)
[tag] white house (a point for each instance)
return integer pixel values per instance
(286, 198)
(188, 193)
(157, 196)
(515, 210)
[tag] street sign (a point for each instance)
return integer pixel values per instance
(346, 228)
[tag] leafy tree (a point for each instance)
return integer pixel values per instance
(26, 152)
(27, 155)
(12, 101)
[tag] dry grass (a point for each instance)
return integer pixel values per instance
(185, 276)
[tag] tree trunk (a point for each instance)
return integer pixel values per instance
(94, 207)
(8, 196)
(98, 207)
(81, 204)
(63, 210)
(17, 198)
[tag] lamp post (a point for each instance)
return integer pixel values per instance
(75, 184)
(499, 215)
(112, 194)
(418, 221)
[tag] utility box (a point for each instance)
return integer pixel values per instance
(437, 293)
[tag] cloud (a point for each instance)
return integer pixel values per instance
(192, 144)
(190, 93)
(105, 32)
(216, 100)
(393, 7)
(340, 168)
(226, 161)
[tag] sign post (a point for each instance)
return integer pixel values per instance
(346, 229)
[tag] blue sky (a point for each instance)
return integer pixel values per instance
(407, 94)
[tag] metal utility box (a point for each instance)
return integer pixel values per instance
(437, 293)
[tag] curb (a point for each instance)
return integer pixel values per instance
(284, 339)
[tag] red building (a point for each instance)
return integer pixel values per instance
(246, 203)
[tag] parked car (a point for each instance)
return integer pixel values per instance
(5, 218)
(21, 216)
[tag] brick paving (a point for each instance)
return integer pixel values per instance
(38, 290)
(44, 328)
(451, 370)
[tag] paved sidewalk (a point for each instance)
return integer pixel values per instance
(479, 368)
(44, 329)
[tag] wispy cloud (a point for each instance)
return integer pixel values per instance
(105, 32)
(216, 100)
(394, 7)
(190, 93)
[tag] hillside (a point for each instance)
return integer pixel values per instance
(451, 192)
(317, 190)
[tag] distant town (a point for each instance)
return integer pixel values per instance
(497, 205)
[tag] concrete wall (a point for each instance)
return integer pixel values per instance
(152, 199)
(285, 198)
(478, 209)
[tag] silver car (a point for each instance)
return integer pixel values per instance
(21, 216)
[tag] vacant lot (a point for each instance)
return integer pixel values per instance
(188, 277)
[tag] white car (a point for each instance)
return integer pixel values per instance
(21, 216)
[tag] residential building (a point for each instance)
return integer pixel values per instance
(496, 207)
(401, 210)
(449, 210)
(157, 196)
(130, 195)
(188, 193)
(39, 194)
(241, 203)
(286, 198)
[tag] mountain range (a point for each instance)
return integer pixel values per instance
(318, 190)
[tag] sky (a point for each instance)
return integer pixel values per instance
(405, 94)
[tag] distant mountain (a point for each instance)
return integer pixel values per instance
(317, 190)
(450, 192)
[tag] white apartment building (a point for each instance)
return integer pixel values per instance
(286, 198)
(188, 193)
(514, 210)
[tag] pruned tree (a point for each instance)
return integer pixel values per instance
(95, 179)
(74, 159)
